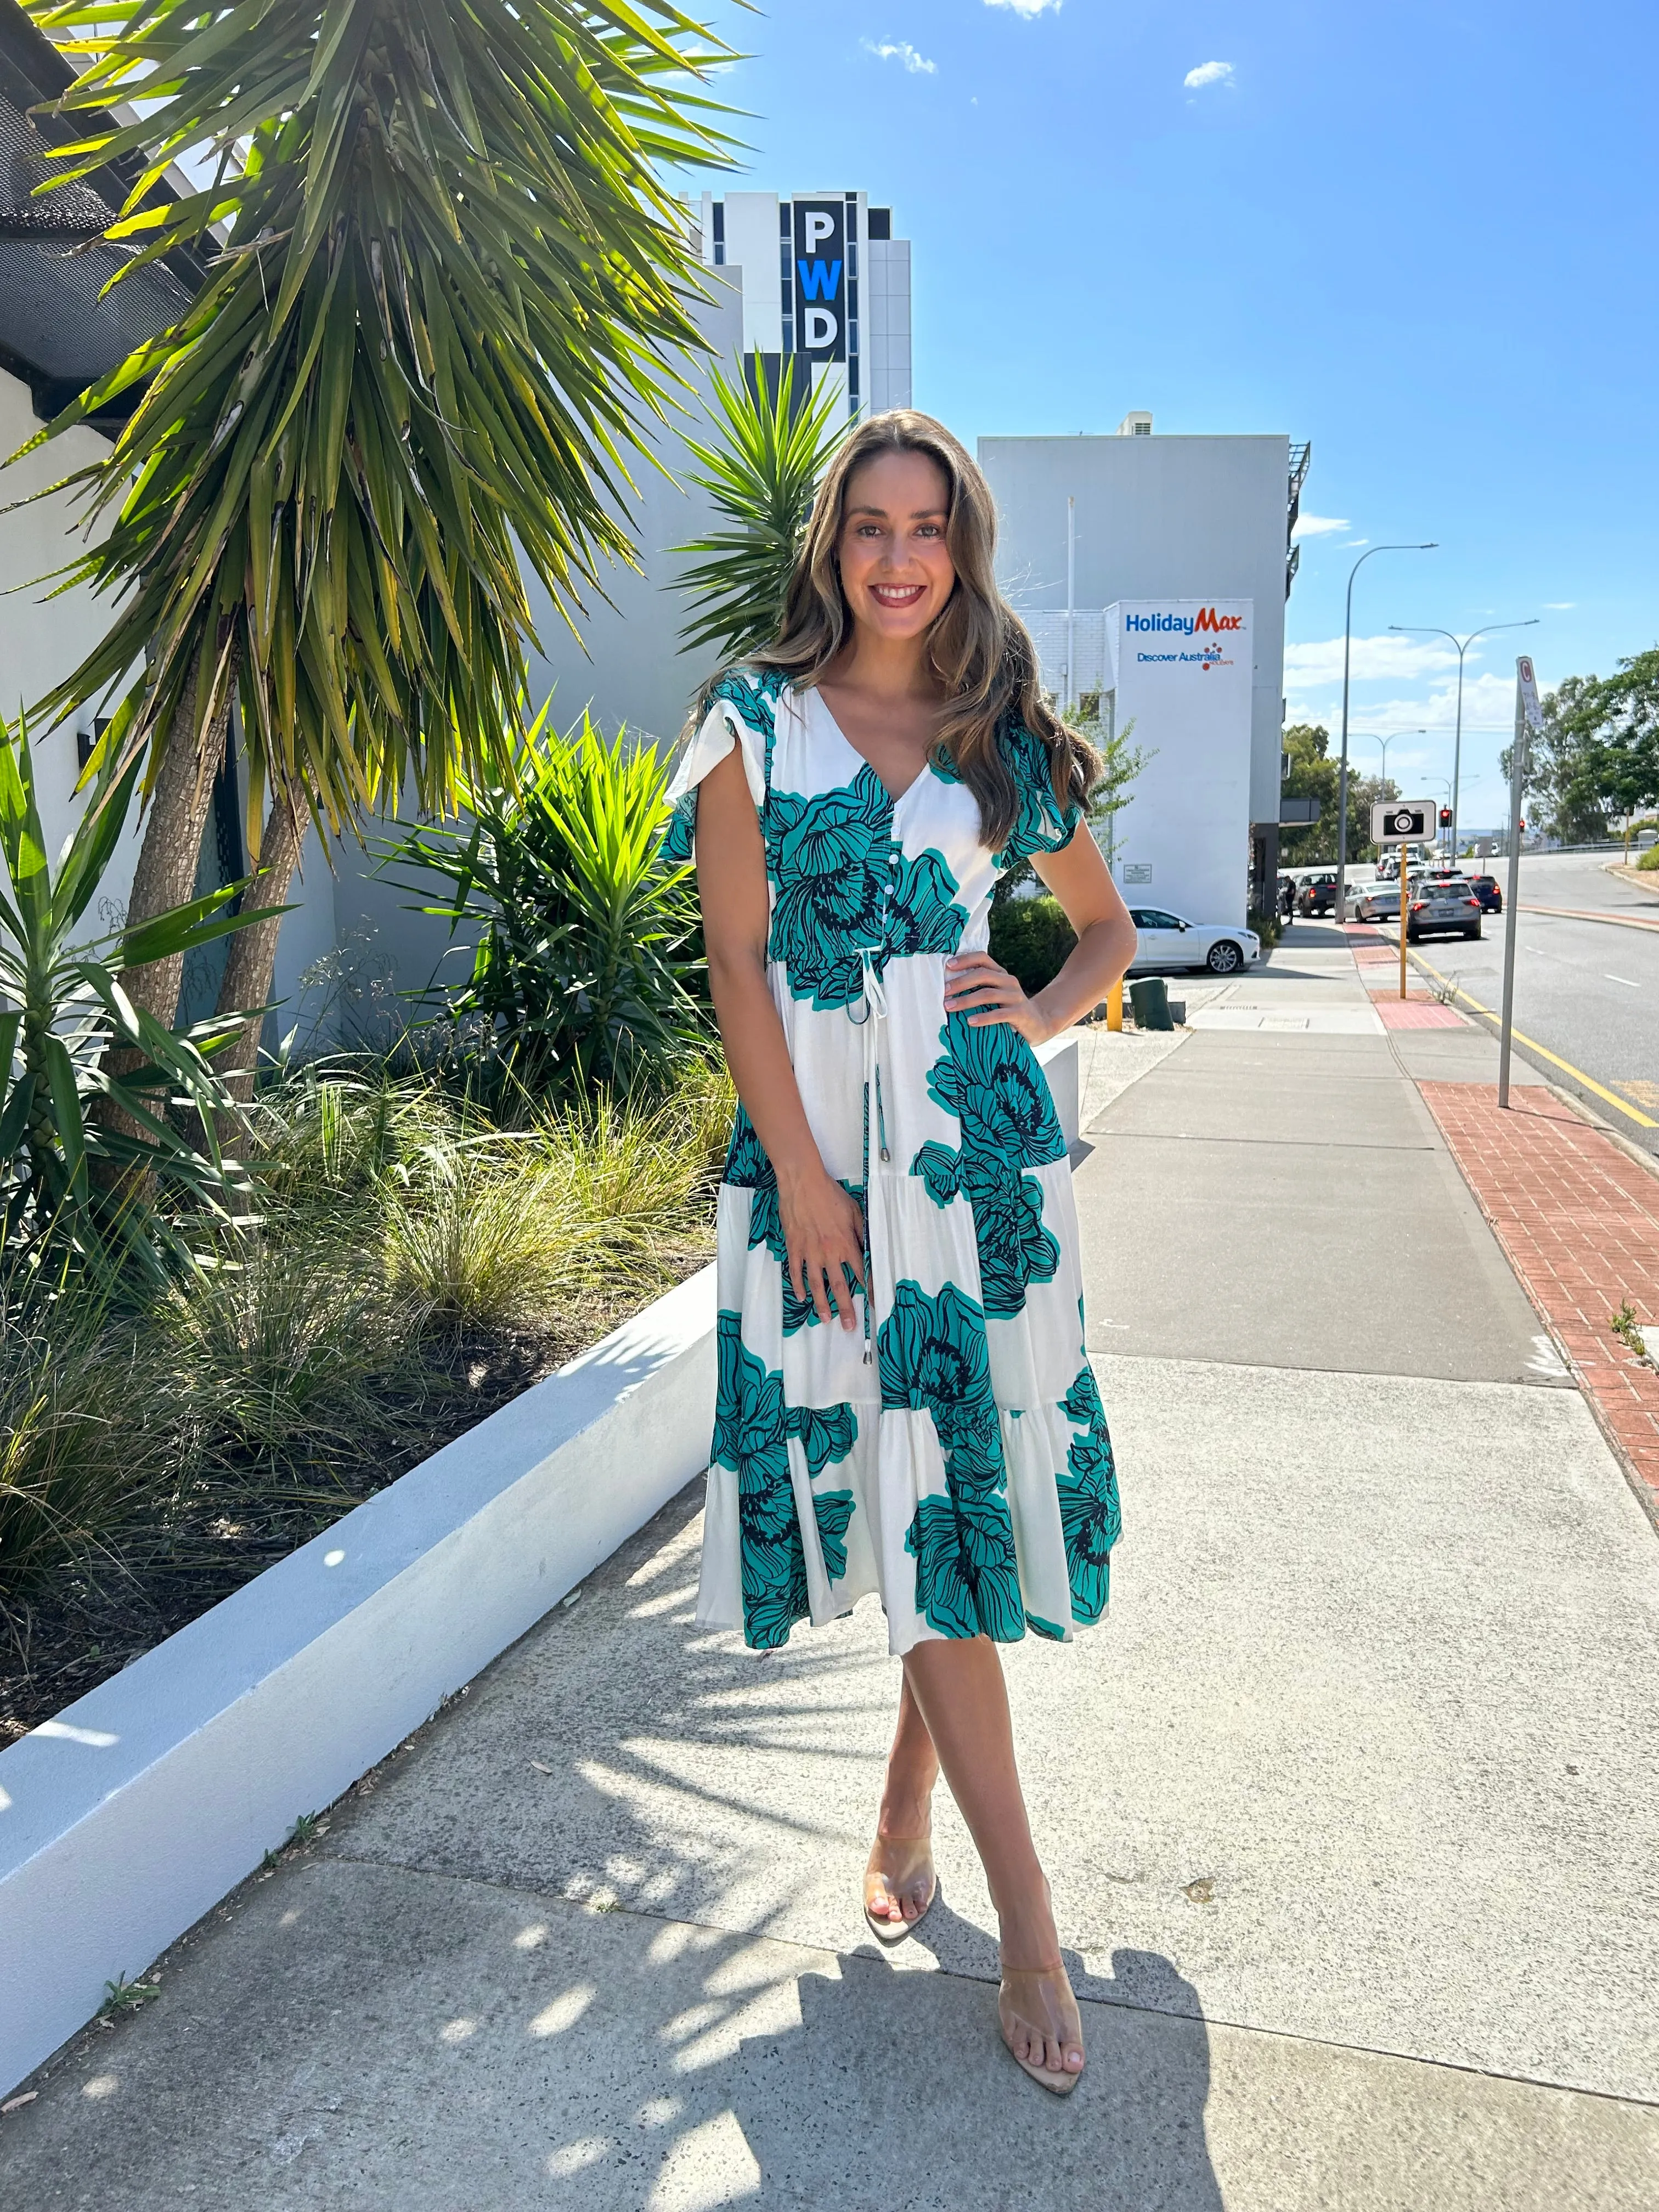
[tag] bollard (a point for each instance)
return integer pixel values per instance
(1149, 997)
(1114, 1005)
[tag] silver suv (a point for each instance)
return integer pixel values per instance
(1437, 908)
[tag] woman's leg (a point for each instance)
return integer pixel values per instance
(957, 1684)
(900, 1884)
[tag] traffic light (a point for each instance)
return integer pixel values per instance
(1445, 818)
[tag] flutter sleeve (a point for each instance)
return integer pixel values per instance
(1042, 824)
(741, 712)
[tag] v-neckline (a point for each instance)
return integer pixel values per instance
(894, 800)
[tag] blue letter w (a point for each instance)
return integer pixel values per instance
(820, 280)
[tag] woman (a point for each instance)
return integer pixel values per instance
(905, 1405)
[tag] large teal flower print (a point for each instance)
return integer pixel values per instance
(921, 913)
(1041, 825)
(1014, 1247)
(933, 1352)
(755, 693)
(990, 1078)
(827, 1434)
(1089, 1513)
(830, 858)
(750, 1438)
(833, 1510)
(933, 1357)
(967, 1577)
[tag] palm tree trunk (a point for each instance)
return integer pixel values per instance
(171, 853)
(250, 954)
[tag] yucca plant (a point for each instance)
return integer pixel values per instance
(762, 472)
(583, 939)
(446, 283)
(87, 1135)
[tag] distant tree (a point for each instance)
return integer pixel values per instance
(1314, 775)
(1597, 756)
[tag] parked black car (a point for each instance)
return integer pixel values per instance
(1317, 895)
(1485, 890)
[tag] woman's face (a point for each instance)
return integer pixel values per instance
(895, 567)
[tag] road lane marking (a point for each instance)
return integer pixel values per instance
(1643, 1120)
(1626, 981)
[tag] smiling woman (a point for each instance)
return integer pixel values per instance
(905, 1405)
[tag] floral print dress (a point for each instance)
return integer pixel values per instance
(951, 1453)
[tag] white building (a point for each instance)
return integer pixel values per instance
(1154, 571)
(823, 281)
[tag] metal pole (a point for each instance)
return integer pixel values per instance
(1342, 772)
(1071, 599)
(1402, 850)
(1517, 784)
(1427, 630)
(1457, 751)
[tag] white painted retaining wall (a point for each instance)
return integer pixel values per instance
(126, 1818)
(133, 1812)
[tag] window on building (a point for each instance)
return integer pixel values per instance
(720, 233)
(881, 222)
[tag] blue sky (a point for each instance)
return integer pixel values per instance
(1419, 236)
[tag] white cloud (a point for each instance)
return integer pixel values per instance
(1488, 704)
(1384, 658)
(1208, 73)
(1318, 526)
(899, 50)
(1559, 606)
(1028, 9)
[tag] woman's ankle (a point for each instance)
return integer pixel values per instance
(1025, 1921)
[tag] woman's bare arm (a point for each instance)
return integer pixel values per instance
(823, 1229)
(1079, 879)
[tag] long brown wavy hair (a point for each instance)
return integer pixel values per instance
(978, 649)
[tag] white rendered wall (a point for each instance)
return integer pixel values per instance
(1182, 843)
(751, 257)
(886, 301)
(41, 638)
(1189, 517)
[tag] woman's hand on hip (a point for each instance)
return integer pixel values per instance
(977, 986)
(823, 1236)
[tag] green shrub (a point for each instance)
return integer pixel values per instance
(1032, 939)
(1649, 858)
(585, 959)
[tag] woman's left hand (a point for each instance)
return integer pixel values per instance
(975, 985)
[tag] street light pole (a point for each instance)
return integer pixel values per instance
(1342, 772)
(1423, 629)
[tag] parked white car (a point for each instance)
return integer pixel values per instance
(1168, 941)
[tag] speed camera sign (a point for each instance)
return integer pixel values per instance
(1403, 822)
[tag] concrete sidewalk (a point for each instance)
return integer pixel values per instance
(1347, 1809)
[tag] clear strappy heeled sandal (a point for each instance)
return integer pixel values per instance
(901, 1858)
(1041, 1998)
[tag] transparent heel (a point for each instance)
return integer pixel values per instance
(899, 1867)
(1038, 2000)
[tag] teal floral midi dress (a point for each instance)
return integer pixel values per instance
(951, 1453)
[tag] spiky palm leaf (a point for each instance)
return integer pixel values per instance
(63, 1000)
(761, 474)
(452, 287)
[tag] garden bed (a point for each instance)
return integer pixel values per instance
(416, 1271)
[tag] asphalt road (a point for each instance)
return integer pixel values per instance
(1587, 991)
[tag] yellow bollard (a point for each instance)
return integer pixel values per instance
(1114, 1005)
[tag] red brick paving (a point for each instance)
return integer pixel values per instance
(1416, 1014)
(1579, 1222)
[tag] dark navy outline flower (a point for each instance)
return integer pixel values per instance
(1090, 1517)
(833, 1510)
(1015, 1249)
(921, 913)
(1041, 824)
(967, 1576)
(990, 1078)
(830, 860)
(755, 694)
(827, 1434)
